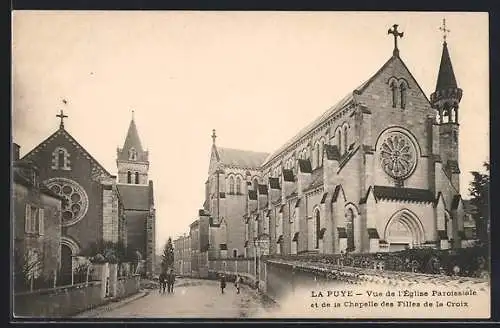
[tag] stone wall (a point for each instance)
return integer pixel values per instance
(60, 302)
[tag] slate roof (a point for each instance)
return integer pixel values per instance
(274, 183)
(241, 158)
(305, 166)
(132, 140)
(252, 194)
(262, 189)
(18, 177)
(405, 194)
(288, 175)
(135, 197)
(332, 152)
(446, 76)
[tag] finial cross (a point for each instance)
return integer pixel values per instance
(395, 33)
(444, 29)
(62, 116)
(213, 136)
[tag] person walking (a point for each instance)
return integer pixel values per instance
(163, 282)
(222, 283)
(171, 281)
(237, 284)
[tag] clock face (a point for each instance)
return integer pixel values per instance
(76, 201)
(398, 155)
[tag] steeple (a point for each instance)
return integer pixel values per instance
(132, 140)
(132, 159)
(446, 76)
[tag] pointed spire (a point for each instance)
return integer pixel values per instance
(446, 76)
(132, 140)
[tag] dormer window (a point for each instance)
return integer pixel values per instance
(132, 154)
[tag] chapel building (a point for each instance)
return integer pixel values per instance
(376, 172)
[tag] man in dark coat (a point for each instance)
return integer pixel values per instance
(171, 281)
(222, 283)
(163, 281)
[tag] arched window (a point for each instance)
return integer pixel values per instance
(394, 90)
(61, 158)
(321, 147)
(129, 177)
(136, 177)
(346, 145)
(316, 156)
(349, 226)
(445, 115)
(231, 185)
(339, 140)
(238, 185)
(255, 184)
(317, 227)
(402, 90)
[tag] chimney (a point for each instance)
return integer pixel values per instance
(15, 151)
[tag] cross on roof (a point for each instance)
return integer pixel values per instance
(213, 136)
(395, 33)
(444, 29)
(62, 117)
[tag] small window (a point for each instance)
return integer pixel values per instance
(402, 90)
(136, 177)
(129, 177)
(346, 145)
(235, 253)
(394, 90)
(231, 185)
(238, 185)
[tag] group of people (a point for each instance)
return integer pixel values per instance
(167, 279)
(237, 283)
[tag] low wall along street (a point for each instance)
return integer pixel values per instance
(68, 301)
(314, 289)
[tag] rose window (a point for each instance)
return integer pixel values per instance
(75, 203)
(398, 156)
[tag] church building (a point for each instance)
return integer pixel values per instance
(96, 208)
(376, 172)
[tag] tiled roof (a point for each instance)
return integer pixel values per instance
(19, 178)
(405, 194)
(274, 183)
(134, 197)
(288, 175)
(305, 166)
(373, 233)
(332, 152)
(262, 189)
(252, 194)
(241, 158)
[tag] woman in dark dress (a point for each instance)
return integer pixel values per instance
(222, 283)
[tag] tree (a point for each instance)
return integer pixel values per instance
(167, 258)
(479, 190)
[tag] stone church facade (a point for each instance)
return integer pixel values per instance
(376, 172)
(96, 207)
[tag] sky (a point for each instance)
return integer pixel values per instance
(255, 77)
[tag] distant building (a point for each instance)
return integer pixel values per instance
(37, 226)
(182, 255)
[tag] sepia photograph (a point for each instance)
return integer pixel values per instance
(250, 164)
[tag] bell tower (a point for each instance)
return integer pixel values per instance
(132, 160)
(446, 100)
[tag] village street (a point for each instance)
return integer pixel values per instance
(192, 298)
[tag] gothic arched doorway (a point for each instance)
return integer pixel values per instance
(66, 265)
(403, 230)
